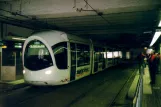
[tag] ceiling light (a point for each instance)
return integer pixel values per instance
(18, 38)
(156, 36)
(147, 32)
(159, 24)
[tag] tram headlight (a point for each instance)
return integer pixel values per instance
(24, 71)
(48, 72)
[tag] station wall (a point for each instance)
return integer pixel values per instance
(7, 32)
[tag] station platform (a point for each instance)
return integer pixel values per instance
(151, 93)
(9, 86)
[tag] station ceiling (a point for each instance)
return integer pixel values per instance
(119, 23)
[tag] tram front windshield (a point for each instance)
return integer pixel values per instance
(37, 56)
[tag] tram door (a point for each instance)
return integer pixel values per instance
(96, 56)
(73, 61)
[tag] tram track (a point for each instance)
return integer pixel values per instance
(114, 99)
(73, 101)
(87, 92)
(107, 82)
(82, 95)
(25, 94)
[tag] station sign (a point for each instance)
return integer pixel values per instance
(37, 46)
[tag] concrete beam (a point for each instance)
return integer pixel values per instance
(67, 8)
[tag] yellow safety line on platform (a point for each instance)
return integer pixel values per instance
(146, 82)
(16, 82)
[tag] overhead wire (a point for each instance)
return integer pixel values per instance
(98, 13)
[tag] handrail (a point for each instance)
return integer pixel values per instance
(137, 101)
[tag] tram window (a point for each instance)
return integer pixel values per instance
(109, 55)
(101, 55)
(99, 58)
(37, 56)
(96, 54)
(83, 55)
(60, 53)
(86, 55)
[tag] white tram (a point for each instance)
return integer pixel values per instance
(56, 58)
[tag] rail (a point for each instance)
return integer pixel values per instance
(137, 101)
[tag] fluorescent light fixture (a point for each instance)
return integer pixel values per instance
(159, 24)
(156, 36)
(18, 38)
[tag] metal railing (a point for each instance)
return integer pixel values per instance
(137, 101)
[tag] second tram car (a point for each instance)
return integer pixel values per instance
(56, 58)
